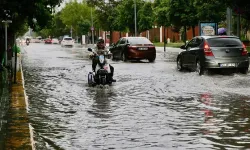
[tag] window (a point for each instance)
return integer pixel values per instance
(123, 41)
(118, 42)
(195, 42)
(140, 40)
(224, 42)
(67, 39)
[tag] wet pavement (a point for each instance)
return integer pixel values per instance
(151, 106)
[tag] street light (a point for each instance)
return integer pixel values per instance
(135, 17)
(6, 46)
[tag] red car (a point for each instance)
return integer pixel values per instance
(133, 48)
(48, 41)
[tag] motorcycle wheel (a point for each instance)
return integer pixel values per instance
(90, 79)
(103, 80)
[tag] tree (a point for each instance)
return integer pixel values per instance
(162, 16)
(145, 15)
(182, 13)
(204, 12)
(126, 15)
(106, 14)
(76, 15)
(24, 13)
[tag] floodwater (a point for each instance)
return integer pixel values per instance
(151, 106)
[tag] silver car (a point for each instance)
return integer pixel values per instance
(213, 52)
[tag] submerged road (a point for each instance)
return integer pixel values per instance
(151, 106)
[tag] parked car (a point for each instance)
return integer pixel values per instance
(213, 52)
(133, 48)
(48, 41)
(67, 41)
(55, 41)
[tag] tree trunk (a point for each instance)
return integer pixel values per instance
(164, 29)
(193, 29)
(111, 37)
(185, 34)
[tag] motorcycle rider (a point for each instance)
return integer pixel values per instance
(100, 47)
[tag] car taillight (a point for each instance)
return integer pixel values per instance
(207, 50)
(244, 51)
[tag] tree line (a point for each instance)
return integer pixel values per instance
(113, 15)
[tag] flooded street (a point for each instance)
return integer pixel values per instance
(151, 106)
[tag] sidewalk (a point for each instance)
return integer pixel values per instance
(15, 129)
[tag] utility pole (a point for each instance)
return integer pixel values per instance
(6, 40)
(92, 27)
(229, 21)
(238, 25)
(135, 18)
(71, 31)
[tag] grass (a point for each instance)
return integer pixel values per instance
(177, 45)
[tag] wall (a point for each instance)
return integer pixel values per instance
(155, 35)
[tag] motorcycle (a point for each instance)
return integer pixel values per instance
(102, 73)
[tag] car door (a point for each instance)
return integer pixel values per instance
(186, 54)
(114, 49)
(122, 47)
(194, 50)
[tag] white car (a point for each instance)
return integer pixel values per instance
(67, 41)
(55, 41)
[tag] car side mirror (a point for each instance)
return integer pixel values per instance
(183, 47)
(89, 49)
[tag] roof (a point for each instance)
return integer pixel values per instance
(218, 36)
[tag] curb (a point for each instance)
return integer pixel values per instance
(20, 133)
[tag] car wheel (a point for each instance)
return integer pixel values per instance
(244, 70)
(124, 58)
(199, 68)
(179, 64)
(112, 57)
(151, 60)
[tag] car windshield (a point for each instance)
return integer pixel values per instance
(67, 39)
(134, 41)
(224, 42)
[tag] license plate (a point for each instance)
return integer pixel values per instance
(143, 48)
(228, 65)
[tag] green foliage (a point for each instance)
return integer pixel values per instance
(126, 15)
(212, 10)
(162, 13)
(145, 15)
(35, 14)
(76, 15)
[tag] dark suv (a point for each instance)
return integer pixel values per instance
(208, 52)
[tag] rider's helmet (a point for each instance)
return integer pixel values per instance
(100, 44)
(222, 31)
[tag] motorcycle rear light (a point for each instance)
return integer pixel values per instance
(207, 50)
(244, 51)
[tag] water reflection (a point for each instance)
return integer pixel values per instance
(226, 120)
(102, 97)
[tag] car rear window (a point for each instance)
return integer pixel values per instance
(224, 42)
(67, 39)
(135, 41)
